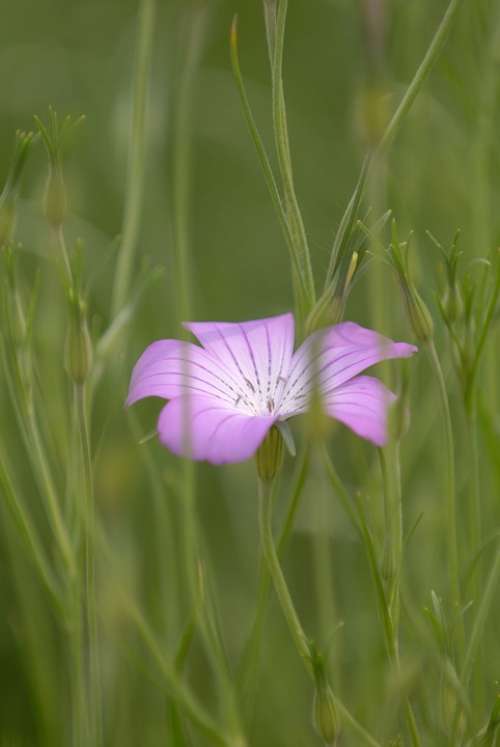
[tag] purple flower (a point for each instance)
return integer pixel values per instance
(226, 395)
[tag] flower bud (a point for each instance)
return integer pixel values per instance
(78, 352)
(270, 455)
(325, 715)
(452, 305)
(419, 315)
(324, 711)
(55, 201)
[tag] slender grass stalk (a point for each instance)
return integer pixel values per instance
(423, 71)
(251, 656)
(295, 220)
(302, 643)
(391, 472)
(137, 158)
(299, 289)
(196, 25)
(430, 58)
(29, 534)
(451, 528)
(474, 495)
(483, 609)
(90, 603)
(185, 699)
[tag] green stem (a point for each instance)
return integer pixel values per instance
(452, 539)
(425, 67)
(137, 162)
(49, 491)
(90, 603)
(295, 221)
(474, 497)
(480, 619)
(300, 291)
(302, 644)
(266, 495)
(391, 473)
(29, 534)
(251, 656)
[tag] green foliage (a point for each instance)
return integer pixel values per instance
(135, 612)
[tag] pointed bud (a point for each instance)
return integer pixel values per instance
(54, 135)
(324, 711)
(418, 313)
(78, 352)
(270, 455)
(55, 200)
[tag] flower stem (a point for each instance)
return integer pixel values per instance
(452, 539)
(302, 644)
(422, 73)
(266, 495)
(295, 221)
(90, 601)
(136, 166)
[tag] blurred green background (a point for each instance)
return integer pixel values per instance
(442, 173)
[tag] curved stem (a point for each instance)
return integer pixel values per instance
(266, 495)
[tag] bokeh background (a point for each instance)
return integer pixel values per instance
(342, 73)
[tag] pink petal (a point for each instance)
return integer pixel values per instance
(334, 356)
(363, 405)
(203, 428)
(170, 368)
(258, 353)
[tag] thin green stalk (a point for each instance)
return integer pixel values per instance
(474, 495)
(431, 56)
(29, 534)
(295, 220)
(251, 656)
(302, 643)
(21, 390)
(196, 24)
(481, 618)
(137, 156)
(266, 495)
(90, 603)
(393, 508)
(80, 723)
(452, 539)
(425, 67)
(300, 291)
(50, 493)
(179, 691)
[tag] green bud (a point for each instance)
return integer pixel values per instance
(325, 715)
(419, 315)
(324, 711)
(54, 134)
(270, 455)
(78, 352)
(452, 305)
(55, 201)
